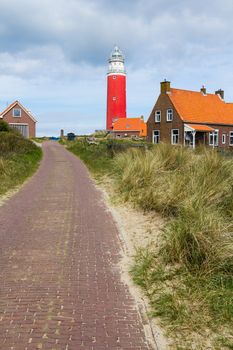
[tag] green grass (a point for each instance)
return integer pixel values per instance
(99, 157)
(185, 302)
(40, 139)
(96, 157)
(194, 191)
(19, 158)
(189, 279)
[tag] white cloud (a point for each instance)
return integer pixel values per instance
(53, 54)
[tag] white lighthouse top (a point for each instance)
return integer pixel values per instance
(116, 62)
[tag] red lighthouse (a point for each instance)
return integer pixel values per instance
(116, 88)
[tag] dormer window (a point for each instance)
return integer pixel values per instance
(16, 112)
(169, 115)
(157, 116)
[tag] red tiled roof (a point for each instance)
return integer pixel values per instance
(131, 124)
(196, 107)
(199, 127)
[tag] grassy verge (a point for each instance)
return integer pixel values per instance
(97, 157)
(19, 158)
(188, 278)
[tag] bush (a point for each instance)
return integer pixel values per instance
(4, 126)
(11, 143)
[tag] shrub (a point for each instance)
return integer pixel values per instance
(4, 126)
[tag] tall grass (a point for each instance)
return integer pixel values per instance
(19, 158)
(96, 157)
(99, 157)
(193, 189)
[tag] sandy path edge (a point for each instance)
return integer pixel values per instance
(135, 230)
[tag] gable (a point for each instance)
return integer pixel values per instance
(8, 112)
(162, 104)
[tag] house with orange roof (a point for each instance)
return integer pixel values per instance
(129, 127)
(184, 117)
(18, 117)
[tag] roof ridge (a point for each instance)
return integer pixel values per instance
(194, 91)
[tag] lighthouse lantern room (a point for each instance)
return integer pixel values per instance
(116, 88)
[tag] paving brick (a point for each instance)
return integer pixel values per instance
(60, 285)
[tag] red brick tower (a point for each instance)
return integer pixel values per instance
(116, 88)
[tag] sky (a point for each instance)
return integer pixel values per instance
(53, 55)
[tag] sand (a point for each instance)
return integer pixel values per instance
(136, 230)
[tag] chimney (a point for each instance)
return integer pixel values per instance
(203, 90)
(220, 93)
(165, 86)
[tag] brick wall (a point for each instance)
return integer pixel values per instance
(163, 103)
(122, 134)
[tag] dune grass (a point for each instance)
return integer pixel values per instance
(189, 278)
(19, 158)
(195, 190)
(97, 157)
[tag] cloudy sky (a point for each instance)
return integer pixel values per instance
(53, 54)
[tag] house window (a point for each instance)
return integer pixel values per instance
(231, 138)
(156, 136)
(175, 136)
(213, 138)
(16, 112)
(169, 115)
(224, 139)
(157, 116)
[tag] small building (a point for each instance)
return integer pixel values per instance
(129, 127)
(71, 136)
(184, 117)
(18, 117)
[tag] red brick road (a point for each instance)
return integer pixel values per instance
(60, 288)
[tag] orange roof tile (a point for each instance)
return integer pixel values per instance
(199, 127)
(195, 107)
(131, 124)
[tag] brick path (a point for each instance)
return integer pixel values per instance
(60, 288)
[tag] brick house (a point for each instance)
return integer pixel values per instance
(129, 127)
(191, 118)
(18, 117)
